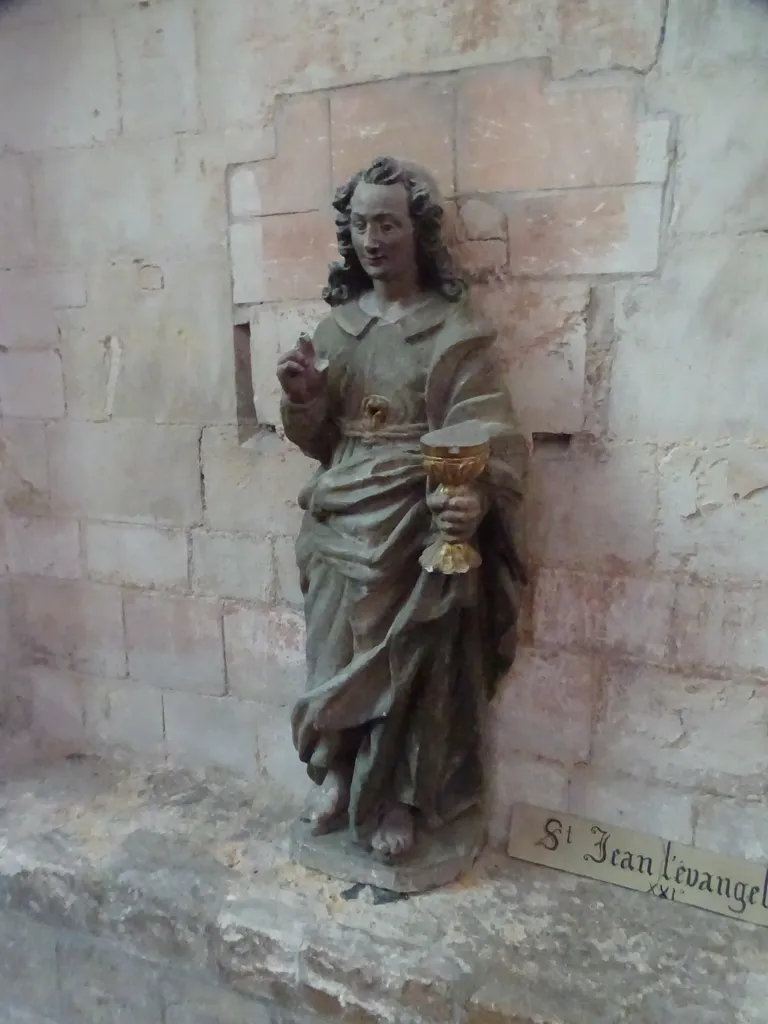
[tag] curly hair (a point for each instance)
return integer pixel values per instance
(347, 279)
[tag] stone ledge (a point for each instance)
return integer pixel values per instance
(124, 880)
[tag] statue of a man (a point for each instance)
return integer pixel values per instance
(401, 662)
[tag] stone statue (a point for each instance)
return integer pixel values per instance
(403, 650)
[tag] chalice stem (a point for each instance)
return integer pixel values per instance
(447, 555)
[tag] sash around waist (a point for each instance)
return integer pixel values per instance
(362, 430)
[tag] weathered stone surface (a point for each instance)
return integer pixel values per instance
(125, 716)
(43, 547)
(547, 703)
(126, 470)
(277, 754)
(265, 653)
(5, 619)
(31, 384)
(15, 1015)
(156, 47)
(287, 571)
(133, 199)
(28, 964)
(482, 220)
(720, 628)
(164, 862)
(735, 827)
(23, 467)
(542, 340)
(158, 355)
(481, 258)
(142, 556)
(720, 174)
(236, 85)
(38, 60)
(231, 565)
(515, 134)
(252, 484)
(298, 179)
(437, 859)
(188, 1002)
(256, 947)
(342, 982)
(409, 118)
(58, 704)
(719, 32)
(17, 236)
(634, 803)
(688, 731)
(69, 624)
(213, 730)
(593, 506)
(624, 614)
(175, 642)
(601, 34)
(713, 508)
(105, 986)
(700, 324)
(281, 258)
(27, 312)
(585, 231)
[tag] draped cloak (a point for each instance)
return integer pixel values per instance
(400, 662)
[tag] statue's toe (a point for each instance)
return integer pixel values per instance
(394, 837)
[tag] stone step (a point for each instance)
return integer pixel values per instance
(141, 895)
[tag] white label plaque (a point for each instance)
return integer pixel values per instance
(667, 870)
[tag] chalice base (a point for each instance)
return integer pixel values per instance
(449, 557)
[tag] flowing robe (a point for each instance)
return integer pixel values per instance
(400, 662)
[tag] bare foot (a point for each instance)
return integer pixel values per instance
(328, 807)
(395, 835)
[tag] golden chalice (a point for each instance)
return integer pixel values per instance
(453, 457)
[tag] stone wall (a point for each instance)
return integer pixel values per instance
(165, 173)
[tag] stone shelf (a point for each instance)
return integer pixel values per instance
(158, 896)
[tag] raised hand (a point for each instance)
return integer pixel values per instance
(301, 374)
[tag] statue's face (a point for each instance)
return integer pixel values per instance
(382, 231)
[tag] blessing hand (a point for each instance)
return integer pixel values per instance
(457, 512)
(301, 374)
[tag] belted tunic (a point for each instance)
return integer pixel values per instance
(401, 662)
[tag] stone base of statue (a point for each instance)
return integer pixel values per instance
(438, 857)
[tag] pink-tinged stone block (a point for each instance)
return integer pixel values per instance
(411, 119)
(265, 654)
(517, 133)
(546, 705)
(175, 642)
(298, 179)
(68, 624)
(586, 231)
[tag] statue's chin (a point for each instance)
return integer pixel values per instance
(378, 272)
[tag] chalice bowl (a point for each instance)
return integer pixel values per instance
(454, 457)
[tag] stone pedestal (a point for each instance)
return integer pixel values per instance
(437, 859)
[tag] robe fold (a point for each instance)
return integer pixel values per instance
(401, 663)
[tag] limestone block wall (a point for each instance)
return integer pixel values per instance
(165, 173)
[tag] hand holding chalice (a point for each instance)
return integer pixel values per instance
(454, 458)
